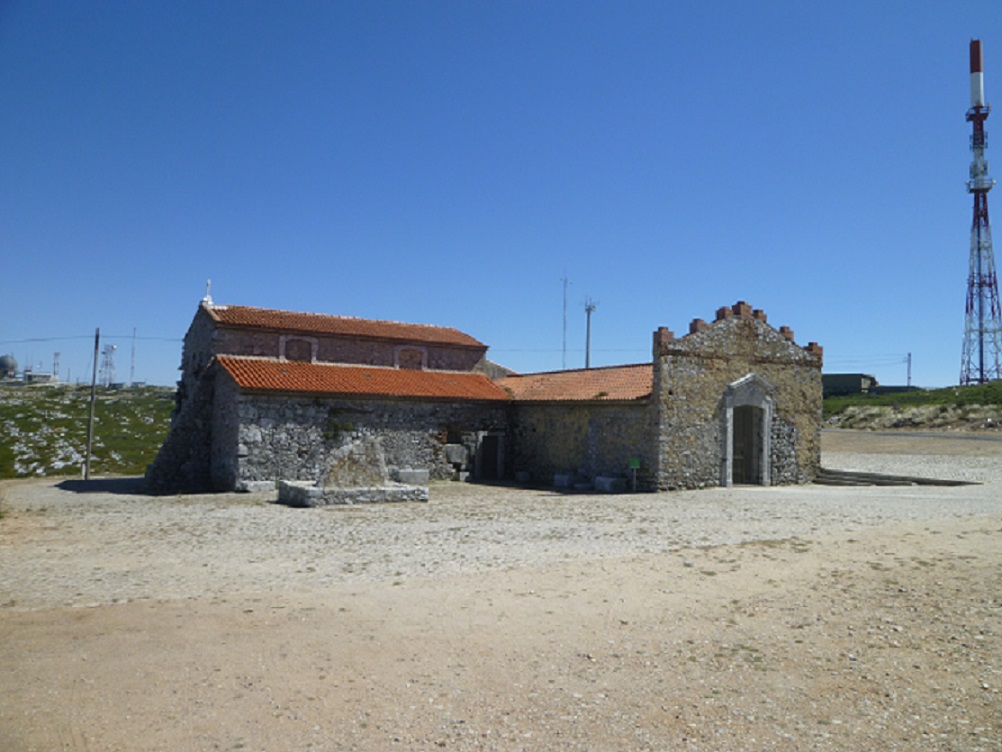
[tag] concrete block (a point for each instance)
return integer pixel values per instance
(610, 484)
(306, 494)
(256, 486)
(563, 480)
(300, 493)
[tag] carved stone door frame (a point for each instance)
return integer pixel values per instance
(750, 391)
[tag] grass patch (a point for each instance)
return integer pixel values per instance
(43, 429)
(989, 394)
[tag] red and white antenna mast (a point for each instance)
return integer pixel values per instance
(983, 323)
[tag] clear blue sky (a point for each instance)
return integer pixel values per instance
(450, 162)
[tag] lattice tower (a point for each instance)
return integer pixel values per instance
(980, 360)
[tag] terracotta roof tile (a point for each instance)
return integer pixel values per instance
(263, 374)
(348, 326)
(615, 383)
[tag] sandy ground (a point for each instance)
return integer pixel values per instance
(503, 619)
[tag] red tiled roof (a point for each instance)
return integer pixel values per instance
(320, 323)
(263, 374)
(615, 383)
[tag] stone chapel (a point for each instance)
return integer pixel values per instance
(268, 395)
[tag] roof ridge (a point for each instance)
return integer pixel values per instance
(581, 370)
(342, 317)
(276, 319)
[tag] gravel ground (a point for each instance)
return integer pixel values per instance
(207, 545)
(496, 618)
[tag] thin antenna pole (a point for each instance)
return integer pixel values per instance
(132, 364)
(564, 361)
(93, 398)
(909, 369)
(590, 307)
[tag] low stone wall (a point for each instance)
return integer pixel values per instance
(305, 494)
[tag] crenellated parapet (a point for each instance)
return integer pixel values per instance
(701, 340)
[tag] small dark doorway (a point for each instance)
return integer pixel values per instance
(490, 465)
(746, 467)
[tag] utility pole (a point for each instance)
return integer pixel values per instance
(909, 370)
(590, 307)
(93, 397)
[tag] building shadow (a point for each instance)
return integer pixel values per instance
(128, 486)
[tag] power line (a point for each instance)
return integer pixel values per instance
(146, 339)
(884, 360)
(42, 339)
(86, 336)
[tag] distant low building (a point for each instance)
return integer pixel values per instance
(38, 377)
(839, 384)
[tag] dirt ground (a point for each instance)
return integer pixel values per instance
(885, 637)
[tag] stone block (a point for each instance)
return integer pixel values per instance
(456, 454)
(412, 476)
(358, 464)
(563, 480)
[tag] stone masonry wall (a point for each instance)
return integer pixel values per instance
(196, 356)
(691, 377)
(590, 439)
(183, 463)
(290, 438)
(332, 349)
(223, 467)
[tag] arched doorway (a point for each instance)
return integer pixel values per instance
(747, 432)
(746, 445)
